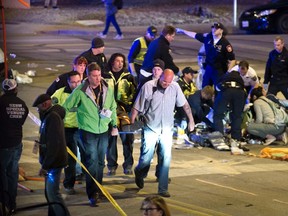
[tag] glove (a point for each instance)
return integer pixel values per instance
(179, 31)
(134, 74)
(183, 124)
(265, 86)
(247, 106)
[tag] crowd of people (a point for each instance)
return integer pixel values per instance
(100, 97)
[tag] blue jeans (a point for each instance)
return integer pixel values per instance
(112, 152)
(94, 147)
(80, 154)
(9, 158)
(53, 196)
(149, 140)
(111, 19)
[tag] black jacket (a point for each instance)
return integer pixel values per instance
(53, 153)
(100, 59)
(159, 49)
(13, 113)
(277, 67)
(61, 81)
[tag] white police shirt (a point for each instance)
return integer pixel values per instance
(250, 79)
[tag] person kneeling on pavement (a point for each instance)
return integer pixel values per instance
(264, 125)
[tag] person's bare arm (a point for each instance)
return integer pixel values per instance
(134, 114)
(187, 110)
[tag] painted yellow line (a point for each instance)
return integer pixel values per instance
(178, 205)
(279, 201)
(189, 211)
(185, 207)
(223, 186)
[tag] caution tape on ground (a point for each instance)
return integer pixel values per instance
(103, 190)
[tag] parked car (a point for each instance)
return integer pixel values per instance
(271, 17)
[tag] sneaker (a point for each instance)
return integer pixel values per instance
(164, 194)
(236, 151)
(111, 172)
(119, 37)
(55, 8)
(128, 172)
(101, 35)
(269, 139)
(94, 200)
(138, 180)
(46, 7)
(70, 191)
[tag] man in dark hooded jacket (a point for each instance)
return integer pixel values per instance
(53, 154)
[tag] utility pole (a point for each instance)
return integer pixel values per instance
(235, 13)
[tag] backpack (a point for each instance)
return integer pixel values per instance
(281, 117)
(118, 4)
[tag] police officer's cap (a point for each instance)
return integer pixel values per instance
(218, 25)
(152, 30)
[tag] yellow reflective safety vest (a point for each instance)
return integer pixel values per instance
(140, 57)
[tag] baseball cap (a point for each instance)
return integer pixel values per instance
(9, 84)
(41, 99)
(187, 70)
(152, 30)
(218, 25)
(159, 63)
(97, 43)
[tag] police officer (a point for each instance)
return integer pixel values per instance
(158, 49)
(230, 91)
(138, 50)
(219, 52)
(248, 75)
(276, 73)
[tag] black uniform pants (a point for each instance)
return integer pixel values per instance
(235, 97)
(274, 88)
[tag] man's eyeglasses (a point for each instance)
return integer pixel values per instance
(75, 82)
(148, 209)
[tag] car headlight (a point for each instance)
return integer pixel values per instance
(265, 12)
